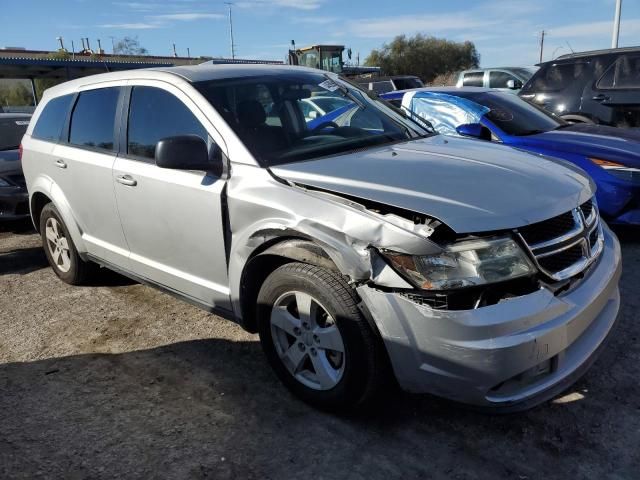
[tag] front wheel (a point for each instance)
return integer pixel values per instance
(316, 339)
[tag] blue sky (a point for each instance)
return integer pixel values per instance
(505, 32)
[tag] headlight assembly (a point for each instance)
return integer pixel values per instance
(465, 264)
(619, 170)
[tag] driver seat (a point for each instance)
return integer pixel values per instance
(259, 136)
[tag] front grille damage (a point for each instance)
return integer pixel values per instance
(562, 248)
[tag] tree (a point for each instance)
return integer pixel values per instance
(129, 46)
(424, 56)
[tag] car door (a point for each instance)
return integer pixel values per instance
(499, 79)
(617, 93)
(84, 161)
(172, 219)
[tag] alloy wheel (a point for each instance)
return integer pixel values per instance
(58, 245)
(307, 340)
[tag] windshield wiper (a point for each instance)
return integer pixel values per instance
(345, 92)
(526, 133)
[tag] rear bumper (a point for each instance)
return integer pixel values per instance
(508, 356)
(14, 203)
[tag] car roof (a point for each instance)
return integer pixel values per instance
(14, 115)
(496, 68)
(190, 73)
(451, 89)
(593, 53)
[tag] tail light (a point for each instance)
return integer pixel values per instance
(20, 152)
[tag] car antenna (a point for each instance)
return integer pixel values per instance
(569, 45)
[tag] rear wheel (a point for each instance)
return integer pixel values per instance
(316, 339)
(60, 250)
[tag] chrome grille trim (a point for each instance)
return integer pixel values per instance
(579, 234)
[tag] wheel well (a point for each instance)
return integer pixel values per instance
(269, 258)
(38, 201)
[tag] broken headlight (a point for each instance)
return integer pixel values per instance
(465, 264)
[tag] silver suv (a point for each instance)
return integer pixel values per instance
(360, 248)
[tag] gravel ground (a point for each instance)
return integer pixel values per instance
(118, 380)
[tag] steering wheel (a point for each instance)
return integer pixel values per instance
(325, 125)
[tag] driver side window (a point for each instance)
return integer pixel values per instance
(155, 114)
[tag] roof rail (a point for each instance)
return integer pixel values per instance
(596, 52)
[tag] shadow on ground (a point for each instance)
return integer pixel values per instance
(212, 408)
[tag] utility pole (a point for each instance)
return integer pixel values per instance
(175, 54)
(233, 48)
(616, 25)
(541, 45)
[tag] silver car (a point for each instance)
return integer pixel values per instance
(363, 248)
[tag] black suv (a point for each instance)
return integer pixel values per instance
(601, 86)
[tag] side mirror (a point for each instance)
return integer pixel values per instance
(187, 152)
(513, 84)
(474, 130)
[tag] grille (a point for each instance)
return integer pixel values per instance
(562, 260)
(17, 180)
(565, 245)
(548, 229)
(593, 238)
(587, 208)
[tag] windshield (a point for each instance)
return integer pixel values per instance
(329, 104)
(11, 131)
(513, 115)
(267, 113)
(408, 83)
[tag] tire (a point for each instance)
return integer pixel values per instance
(347, 379)
(60, 250)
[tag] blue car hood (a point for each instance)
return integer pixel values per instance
(608, 143)
(471, 185)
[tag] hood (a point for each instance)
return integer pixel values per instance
(471, 185)
(620, 145)
(10, 161)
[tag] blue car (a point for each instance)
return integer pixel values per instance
(610, 155)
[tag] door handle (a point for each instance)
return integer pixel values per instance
(61, 163)
(126, 180)
(601, 98)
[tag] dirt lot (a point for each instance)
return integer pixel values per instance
(119, 380)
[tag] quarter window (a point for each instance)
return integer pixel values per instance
(624, 73)
(93, 118)
(155, 114)
(473, 79)
(52, 119)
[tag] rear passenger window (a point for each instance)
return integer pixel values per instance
(155, 114)
(93, 118)
(473, 79)
(51, 120)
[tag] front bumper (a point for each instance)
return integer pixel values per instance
(508, 356)
(14, 203)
